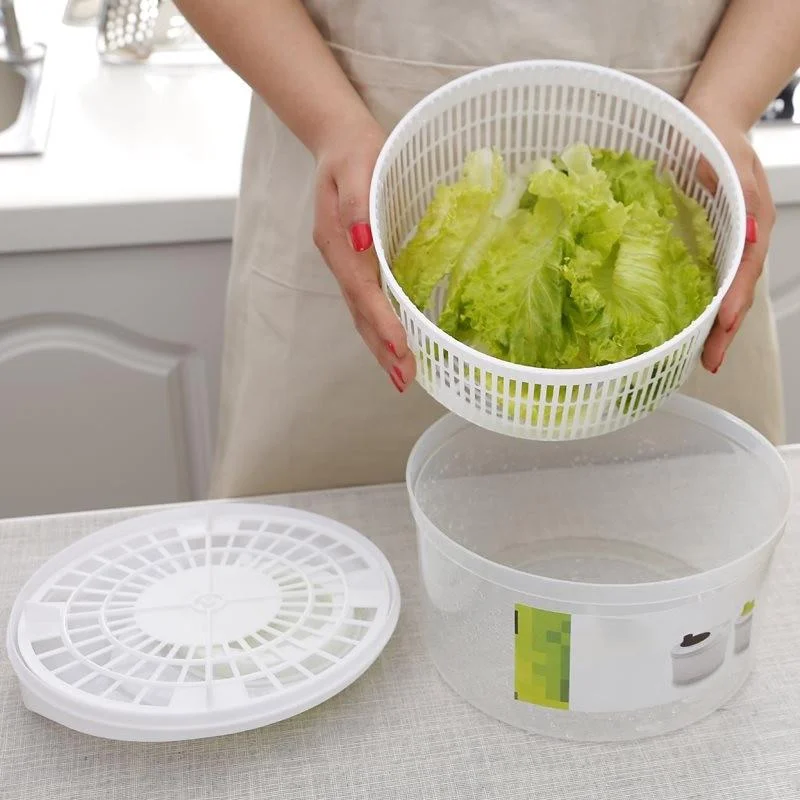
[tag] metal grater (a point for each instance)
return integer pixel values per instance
(134, 30)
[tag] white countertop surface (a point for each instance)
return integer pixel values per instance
(399, 733)
(137, 154)
(142, 154)
(778, 147)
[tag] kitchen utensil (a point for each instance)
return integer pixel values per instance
(200, 621)
(528, 110)
(560, 581)
(148, 30)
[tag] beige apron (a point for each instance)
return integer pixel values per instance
(303, 404)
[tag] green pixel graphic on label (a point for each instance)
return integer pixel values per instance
(541, 657)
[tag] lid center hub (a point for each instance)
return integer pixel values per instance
(208, 602)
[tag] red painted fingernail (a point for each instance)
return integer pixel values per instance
(751, 230)
(398, 374)
(397, 385)
(361, 237)
(391, 348)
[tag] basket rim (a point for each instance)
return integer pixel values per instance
(456, 347)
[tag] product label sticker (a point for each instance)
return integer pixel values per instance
(603, 664)
(542, 657)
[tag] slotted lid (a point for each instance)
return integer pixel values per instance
(201, 621)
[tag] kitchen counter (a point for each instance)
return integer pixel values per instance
(137, 154)
(399, 732)
(146, 154)
(778, 147)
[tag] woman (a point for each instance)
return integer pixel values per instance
(302, 406)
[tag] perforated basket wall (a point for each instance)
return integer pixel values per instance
(529, 110)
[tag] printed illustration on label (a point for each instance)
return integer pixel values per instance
(542, 657)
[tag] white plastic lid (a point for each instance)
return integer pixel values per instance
(201, 621)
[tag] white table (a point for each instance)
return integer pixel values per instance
(399, 733)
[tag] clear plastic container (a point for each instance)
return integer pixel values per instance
(600, 589)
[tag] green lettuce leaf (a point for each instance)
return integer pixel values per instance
(635, 180)
(457, 226)
(621, 296)
(512, 307)
(589, 258)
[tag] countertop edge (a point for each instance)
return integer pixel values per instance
(120, 224)
(182, 220)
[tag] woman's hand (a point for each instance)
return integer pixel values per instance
(760, 221)
(751, 57)
(345, 161)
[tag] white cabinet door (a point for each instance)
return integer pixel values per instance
(787, 310)
(785, 290)
(109, 373)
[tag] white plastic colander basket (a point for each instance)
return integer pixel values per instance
(528, 110)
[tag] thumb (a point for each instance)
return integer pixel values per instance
(353, 190)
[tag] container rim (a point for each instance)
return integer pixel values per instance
(523, 372)
(636, 595)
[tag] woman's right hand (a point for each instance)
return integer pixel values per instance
(345, 162)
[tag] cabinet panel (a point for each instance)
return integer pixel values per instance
(109, 372)
(784, 254)
(784, 281)
(87, 412)
(787, 312)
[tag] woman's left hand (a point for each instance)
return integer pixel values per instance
(760, 221)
